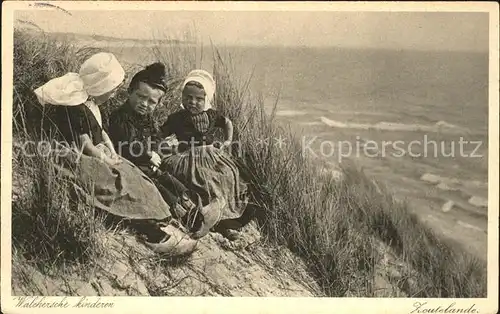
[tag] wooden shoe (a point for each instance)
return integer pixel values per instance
(211, 215)
(230, 234)
(178, 243)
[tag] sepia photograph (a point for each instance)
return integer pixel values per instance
(249, 150)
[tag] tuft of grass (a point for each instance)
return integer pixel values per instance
(37, 59)
(334, 225)
(52, 228)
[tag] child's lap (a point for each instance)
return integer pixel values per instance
(199, 163)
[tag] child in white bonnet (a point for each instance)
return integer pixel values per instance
(76, 98)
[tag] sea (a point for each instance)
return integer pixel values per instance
(416, 121)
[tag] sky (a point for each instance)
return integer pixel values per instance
(440, 31)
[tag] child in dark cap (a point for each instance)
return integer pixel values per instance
(136, 136)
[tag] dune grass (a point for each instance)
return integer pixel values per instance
(335, 226)
(52, 229)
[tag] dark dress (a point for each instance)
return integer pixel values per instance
(203, 168)
(129, 132)
(122, 189)
(69, 122)
(133, 135)
(195, 130)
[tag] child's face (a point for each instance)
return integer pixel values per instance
(193, 99)
(144, 98)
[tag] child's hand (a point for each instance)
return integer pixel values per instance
(168, 146)
(155, 159)
(225, 145)
(114, 155)
(113, 161)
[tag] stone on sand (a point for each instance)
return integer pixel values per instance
(431, 178)
(337, 175)
(446, 187)
(478, 201)
(447, 206)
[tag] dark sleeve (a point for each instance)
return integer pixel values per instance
(156, 137)
(117, 131)
(218, 119)
(156, 132)
(79, 123)
(122, 135)
(168, 128)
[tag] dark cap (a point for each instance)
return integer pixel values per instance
(154, 75)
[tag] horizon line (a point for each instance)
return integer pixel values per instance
(167, 42)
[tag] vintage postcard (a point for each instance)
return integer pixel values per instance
(263, 157)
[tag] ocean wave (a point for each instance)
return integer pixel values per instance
(441, 126)
(468, 188)
(436, 179)
(290, 113)
(310, 123)
(361, 113)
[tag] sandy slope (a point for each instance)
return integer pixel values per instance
(215, 269)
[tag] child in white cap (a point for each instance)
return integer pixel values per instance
(202, 163)
(75, 98)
